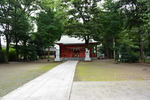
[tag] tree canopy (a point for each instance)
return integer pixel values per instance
(122, 27)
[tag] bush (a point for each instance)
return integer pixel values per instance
(128, 53)
(33, 56)
(2, 56)
(12, 54)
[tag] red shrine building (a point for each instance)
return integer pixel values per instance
(76, 49)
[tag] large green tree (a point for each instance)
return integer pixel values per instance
(133, 11)
(81, 19)
(111, 27)
(10, 13)
(22, 34)
(49, 28)
(110, 20)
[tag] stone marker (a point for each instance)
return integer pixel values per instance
(87, 55)
(57, 55)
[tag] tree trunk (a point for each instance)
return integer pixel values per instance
(7, 49)
(17, 51)
(0, 44)
(14, 27)
(141, 45)
(48, 53)
(25, 52)
(86, 41)
(149, 40)
(114, 52)
(107, 53)
(7, 34)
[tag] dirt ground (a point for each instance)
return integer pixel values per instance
(107, 70)
(15, 74)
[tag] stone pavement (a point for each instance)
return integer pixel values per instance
(53, 85)
(111, 90)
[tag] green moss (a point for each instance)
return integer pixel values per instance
(147, 60)
(102, 71)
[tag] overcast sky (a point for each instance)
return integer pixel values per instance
(2, 40)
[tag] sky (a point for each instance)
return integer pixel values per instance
(2, 40)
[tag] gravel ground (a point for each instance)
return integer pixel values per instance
(111, 90)
(15, 74)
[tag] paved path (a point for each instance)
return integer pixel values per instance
(53, 85)
(111, 90)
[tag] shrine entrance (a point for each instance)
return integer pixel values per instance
(76, 50)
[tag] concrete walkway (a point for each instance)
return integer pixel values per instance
(53, 85)
(111, 90)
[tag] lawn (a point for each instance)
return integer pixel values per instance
(107, 70)
(17, 74)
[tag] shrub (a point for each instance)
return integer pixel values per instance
(128, 53)
(12, 54)
(33, 56)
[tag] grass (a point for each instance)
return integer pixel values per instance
(25, 77)
(147, 60)
(106, 71)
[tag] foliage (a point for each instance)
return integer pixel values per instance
(127, 46)
(22, 33)
(48, 28)
(12, 54)
(134, 11)
(32, 56)
(81, 19)
(15, 19)
(10, 13)
(111, 26)
(128, 53)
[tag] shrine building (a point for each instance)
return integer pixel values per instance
(77, 50)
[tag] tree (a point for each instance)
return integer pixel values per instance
(10, 13)
(49, 28)
(133, 11)
(81, 19)
(110, 20)
(22, 34)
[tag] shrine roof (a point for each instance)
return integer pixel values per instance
(75, 43)
(66, 40)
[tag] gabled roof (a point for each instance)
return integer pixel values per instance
(72, 40)
(75, 43)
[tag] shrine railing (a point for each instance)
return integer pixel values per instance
(69, 55)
